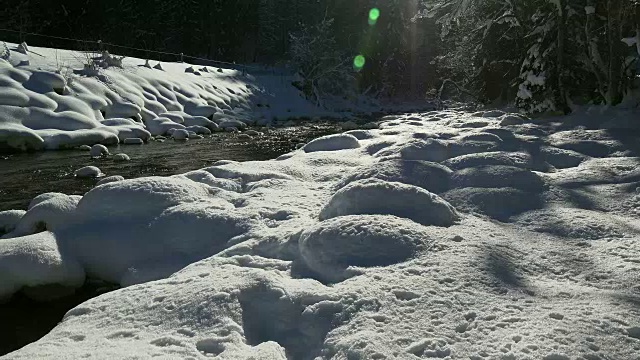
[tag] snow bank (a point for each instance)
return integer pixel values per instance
(53, 104)
(350, 253)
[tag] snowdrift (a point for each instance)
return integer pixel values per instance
(50, 99)
(426, 238)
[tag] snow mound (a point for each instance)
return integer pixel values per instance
(161, 126)
(180, 134)
(179, 218)
(511, 119)
(575, 223)
(406, 201)
(428, 150)
(332, 143)
(497, 203)
(89, 172)
(561, 158)
(498, 176)
(430, 176)
(99, 150)
(361, 134)
(46, 212)
(121, 157)
(9, 219)
(332, 246)
(34, 261)
(515, 159)
(338, 254)
(94, 104)
(482, 136)
(110, 179)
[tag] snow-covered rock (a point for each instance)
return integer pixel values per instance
(121, 157)
(232, 123)
(180, 134)
(88, 172)
(133, 141)
(99, 150)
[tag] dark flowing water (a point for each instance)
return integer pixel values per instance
(26, 175)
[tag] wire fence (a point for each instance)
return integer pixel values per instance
(144, 53)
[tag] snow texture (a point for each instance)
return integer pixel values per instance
(420, 239)
(89, 172)
(52, 103)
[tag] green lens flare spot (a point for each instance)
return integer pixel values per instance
(359, 61)
(374, 14)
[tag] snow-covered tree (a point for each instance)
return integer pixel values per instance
(548, 53)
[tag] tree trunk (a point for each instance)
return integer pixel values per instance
(614, 95)
(592, 53)
(561, 97)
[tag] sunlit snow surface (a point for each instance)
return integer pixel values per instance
(50, 101)
(439, 235)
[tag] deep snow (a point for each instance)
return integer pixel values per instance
(440, 235)
(51, 100)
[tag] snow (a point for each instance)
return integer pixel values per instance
(46, 212)
(121, 157)
(441, 234)
(180, 134)
(332, 143)
(407, 201)
(333, 246)
(109, 179)
(9, 219)
(99, 150)
(88, 172)
(52, 103)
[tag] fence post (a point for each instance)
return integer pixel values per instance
(181, 57)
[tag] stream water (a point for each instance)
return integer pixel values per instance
(26, 175)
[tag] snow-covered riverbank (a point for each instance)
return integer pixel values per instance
(54, 99)
(440, 235)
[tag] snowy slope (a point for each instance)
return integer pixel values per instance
(440, 235)
(48, 100)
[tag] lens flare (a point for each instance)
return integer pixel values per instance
(358, 62)
(374, 14)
